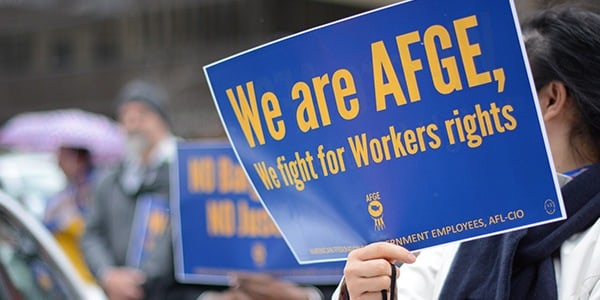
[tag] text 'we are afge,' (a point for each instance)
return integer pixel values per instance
(446, 53)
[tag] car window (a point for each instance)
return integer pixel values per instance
(27, 269)
(7, 290)
(31, 178)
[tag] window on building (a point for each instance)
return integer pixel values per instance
(61, 55)
(15, 53)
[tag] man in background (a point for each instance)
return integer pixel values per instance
(127, 242)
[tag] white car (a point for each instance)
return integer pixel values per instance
(32, 264)
(31, 177)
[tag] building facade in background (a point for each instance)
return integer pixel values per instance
(77, 53)
(58, 54)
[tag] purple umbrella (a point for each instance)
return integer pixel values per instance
(49, 130)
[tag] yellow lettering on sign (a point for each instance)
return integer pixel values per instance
(436, 64)
(445, 73)
(232, 178)
(344, 90)
(201, 175)
(255, 222)
(220, 218)
(469, 51)
(248, 114)
(384, 76)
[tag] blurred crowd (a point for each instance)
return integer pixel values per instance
(99, 170)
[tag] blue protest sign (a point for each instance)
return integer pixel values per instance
(416, 124)
(221, 227)
(149, 226)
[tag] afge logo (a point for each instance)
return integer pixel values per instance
(259, 254)
(375, 209)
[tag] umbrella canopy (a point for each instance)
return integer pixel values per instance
(49, 130)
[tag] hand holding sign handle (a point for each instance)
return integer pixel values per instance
(367, 270)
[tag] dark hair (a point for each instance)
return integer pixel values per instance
(82, 154)
(563, 44)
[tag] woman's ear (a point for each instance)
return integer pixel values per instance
(553, 99)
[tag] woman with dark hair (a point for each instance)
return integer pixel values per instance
(559, 260)
(65, 212)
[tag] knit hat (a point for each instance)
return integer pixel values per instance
(150, 94)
